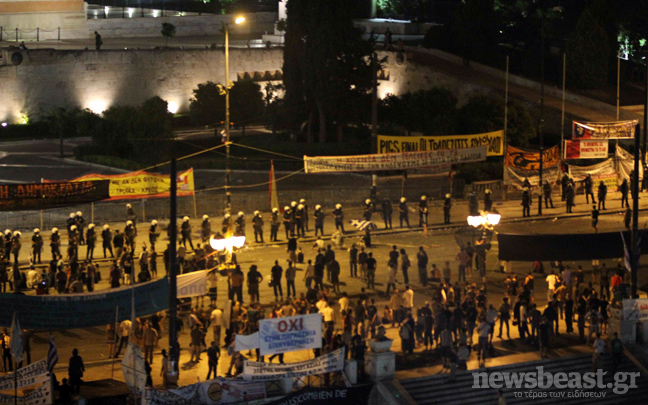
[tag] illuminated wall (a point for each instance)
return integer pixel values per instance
(47, 79)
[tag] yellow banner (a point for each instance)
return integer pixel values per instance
(142, 184)
(396, 144)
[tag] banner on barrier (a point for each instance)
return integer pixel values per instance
(142, 184)
(397, 144)
(328, 363)
(393, 161)
(38, 396)
(604, 130)
(626, 163)
(525, 160)
(578, 173)
(34, 373)
(515, 177)
(192, 284)
(210, 392)
(246, 342)
(586, 149)
(40, 196)
(289, 334)
(70, 311)
(356, 395)
(635, 309)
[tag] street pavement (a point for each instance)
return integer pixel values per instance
(439, 244)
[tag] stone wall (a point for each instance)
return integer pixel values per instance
(190, 25)
(47, 79)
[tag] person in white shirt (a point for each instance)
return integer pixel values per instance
(408, 299)
(212, 282)
(329, 317)
(33, 277)
(124, 333)
(216, 319)
(309, 274)
(551, 285)
(321, 303)
(344, 302)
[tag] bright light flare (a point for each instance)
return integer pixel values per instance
(493, 218)
(476, 221)
(97, 106)
(173, 107)
(239, 20)
(229, 243)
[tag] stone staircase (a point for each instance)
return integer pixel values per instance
(436, 389)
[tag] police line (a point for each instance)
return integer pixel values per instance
(393, 161)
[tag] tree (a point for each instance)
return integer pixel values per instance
(207, 106)
(168, 31)
(588, 52)
(326, 62)
(485, 114)
(246, 103)
(431, 112)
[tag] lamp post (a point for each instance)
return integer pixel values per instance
(228, 190)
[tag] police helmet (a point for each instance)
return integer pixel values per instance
(154, 222)
(90, 226)
(106, 226)
(36, 230)
(338, 206)
(240, 213)
(79, 214)
(403, 199)
(317, 207)
(205, 217)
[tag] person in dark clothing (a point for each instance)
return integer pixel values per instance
(488, 200)
(287, 221)
(319, 216)
(624, 188)
(213, 355)
(526, 202)
(353, 260)
(37, 246)
(569, 313)
(602, 194)
(387, 211)
(339, 217)
(257, 222)
(564, 181)
(276, 273)
(569, 197)
(106, 237)
(403, 213)
(588, 185)
(75, 371)
(274, 224)
(98, 41)
(546, 190)
(447, 205)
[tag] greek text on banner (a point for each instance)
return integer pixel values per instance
(586, 149)
(38, 196)
(142, 184)
(328, 363)
(397, 144)
(393, 161)
(604, 130)
(289, 334)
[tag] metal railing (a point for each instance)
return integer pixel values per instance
(37, 34)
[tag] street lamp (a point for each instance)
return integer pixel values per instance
(226, 89)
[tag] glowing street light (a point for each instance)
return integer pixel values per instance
(239, 20)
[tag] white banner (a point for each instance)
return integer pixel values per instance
(515, 177)
(133, 368)
(635, 309)
(38, 396)
(192, 284)
(578, 173)
(393, 161)
(328, 363)
(246, 342)
(289, 334)
(626, 164)
(210, 392)
(32, 374)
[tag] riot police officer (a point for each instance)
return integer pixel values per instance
(274, 224)
(403, 212)
(287, 221)
(423, 210)
(153, 234)
(488, 200)
(447, 204)
(300, 216)
(339, 217)
(257, 223)
(305, 217)
(205, 228)
(240, 224)
(225, 225)
(185, 232)
(319, 220)
(368, 209)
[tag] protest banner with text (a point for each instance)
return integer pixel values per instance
(586, 149)
(38, 196)
(393, 161)
(397, 144)
(604, 130)
(289, 334)
(328, 363)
